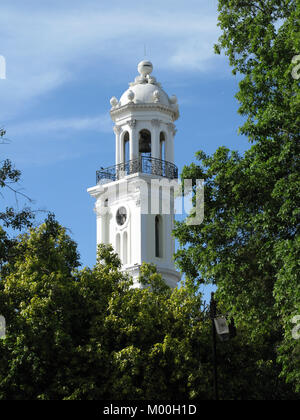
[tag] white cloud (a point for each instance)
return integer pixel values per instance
(64, 125)
(48, 141)
(47, 47)
(187, 56)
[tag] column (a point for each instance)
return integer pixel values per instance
(101, 227)
(170, 143)
(155, 140)
(118, 130)
(102, 214)
(133, 140)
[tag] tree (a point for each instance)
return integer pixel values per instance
(9, 178)
(11, 217)
(248, 244)
(87, 334)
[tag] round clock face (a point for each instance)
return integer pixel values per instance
(121, 216)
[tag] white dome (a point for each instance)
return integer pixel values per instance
(144, 93)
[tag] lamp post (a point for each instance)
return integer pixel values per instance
(224, 331)
(213, 313)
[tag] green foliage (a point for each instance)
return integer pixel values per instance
(261, 38)
(287, 295)
(10, 217)
(248, 244)
(87, 334)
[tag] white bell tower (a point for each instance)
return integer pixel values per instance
(134, 198)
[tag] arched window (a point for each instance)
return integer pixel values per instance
(145, 143)
(125, 248)
(162, 139)
(126, 147)
(118, 243)
(158, 237)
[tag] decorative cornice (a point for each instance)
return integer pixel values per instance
(146, 107)
(100, 209)
(117, 129)
(131, 123)
(172, 128)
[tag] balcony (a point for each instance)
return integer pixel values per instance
(143, 164)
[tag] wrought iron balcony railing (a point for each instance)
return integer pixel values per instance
(143, 164)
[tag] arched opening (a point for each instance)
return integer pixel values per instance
(118, 244)
(126, 147)
(158, 237)
(162, 142)
(145, 143)
(125, 248)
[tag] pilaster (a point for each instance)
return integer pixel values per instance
(155, 141)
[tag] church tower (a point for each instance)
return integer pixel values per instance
(135, 197)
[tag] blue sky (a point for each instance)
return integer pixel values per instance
(66, 59)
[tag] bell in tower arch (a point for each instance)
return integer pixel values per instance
(145, 142)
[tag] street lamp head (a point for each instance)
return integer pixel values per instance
(222, 328)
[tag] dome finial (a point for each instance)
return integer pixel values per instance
(145, 67)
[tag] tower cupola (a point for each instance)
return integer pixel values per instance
(144, 119)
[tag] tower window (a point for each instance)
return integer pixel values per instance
(158, 235)
(118, 243)
(145, 143)
(126, 147)
(125, 248)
